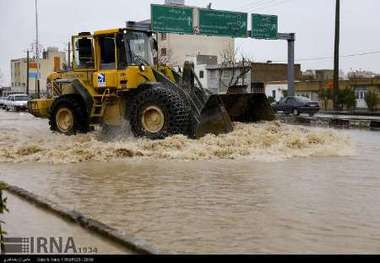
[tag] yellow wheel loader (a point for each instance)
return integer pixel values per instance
(113, 79)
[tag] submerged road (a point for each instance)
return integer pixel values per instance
(24, 220)
(303, 203)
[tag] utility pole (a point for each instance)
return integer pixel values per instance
(291, 86)
(37, 52)
(37, 37)
(69, 55)
(336, 54)
(27, 71)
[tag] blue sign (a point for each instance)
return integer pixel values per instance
(101, 80)
(34, 75)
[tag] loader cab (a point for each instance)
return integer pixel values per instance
(117, 56)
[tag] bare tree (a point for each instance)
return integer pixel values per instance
(236, 64)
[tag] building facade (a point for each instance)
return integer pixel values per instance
(269, 72)
(275, 78)
(276, 89)
(4, 91)
(219, 77)
(51, 61)
(174, 49)
(361, 86)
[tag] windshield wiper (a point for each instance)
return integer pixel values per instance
(140, 59)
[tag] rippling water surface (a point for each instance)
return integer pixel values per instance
(312, 191)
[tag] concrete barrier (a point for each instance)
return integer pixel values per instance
(340, 123)
(136, 245)
(304, 120)
(375, 125)
(334, 122)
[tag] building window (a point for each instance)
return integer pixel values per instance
(201, 74)
(273, 94)
(164, 36)
(163, 52)
(212, 75)
(226, 77)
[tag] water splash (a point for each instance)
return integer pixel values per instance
(268, 142)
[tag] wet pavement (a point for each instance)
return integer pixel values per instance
(306, 201)
(25, 220)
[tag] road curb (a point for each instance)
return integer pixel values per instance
(134, 244)
(332, 122)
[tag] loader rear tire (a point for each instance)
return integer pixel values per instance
(159, 112)
(68, 116)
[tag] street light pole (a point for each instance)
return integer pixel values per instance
(37, 51)
(27, 71)
(291, 71)
(290, 38)
(37, 40)
(336, 53)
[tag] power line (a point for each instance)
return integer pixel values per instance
(252, 4)
(344, 56)
(271, 5)
(263, 4)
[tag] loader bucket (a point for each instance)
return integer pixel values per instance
(221, 110)
(249, 107)
(214, 114)
(214, 119)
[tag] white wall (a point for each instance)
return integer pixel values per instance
(179, 47)
(213, 81)
(277, 88)
(198, 69)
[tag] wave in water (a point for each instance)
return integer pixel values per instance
(268, 142)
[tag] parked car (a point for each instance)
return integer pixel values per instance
(297, 106)
(17, 102)
(2, 101)
(5, 102)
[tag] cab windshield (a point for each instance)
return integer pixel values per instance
(139, 48)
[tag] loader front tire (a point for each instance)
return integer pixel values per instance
(68, 116)
(159, 112)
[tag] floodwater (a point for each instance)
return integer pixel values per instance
(26, 220)
(266, 188)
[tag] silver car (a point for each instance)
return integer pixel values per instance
(2, 101)
(17, 102)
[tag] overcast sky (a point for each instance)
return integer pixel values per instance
(311, 20)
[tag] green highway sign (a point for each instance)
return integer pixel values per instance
(170, 19)
(222, 23)
(264, 26)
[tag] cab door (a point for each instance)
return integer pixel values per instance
(83, 64)
(106, 77)
(84, 59)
